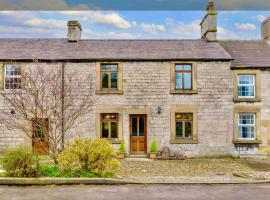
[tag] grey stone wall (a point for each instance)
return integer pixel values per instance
(146, 85)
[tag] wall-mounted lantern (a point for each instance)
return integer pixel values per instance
(12, 112)
(158, 110)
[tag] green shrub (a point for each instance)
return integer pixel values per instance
(50, 171)
(153, 147)
(88, 156)
(122, 148)
(21, 162)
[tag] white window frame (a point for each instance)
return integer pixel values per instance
(247, 85)
(12, 76)
(247, 125)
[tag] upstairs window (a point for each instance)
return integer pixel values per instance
(246, 86)
(183, 125)
(109, 76)
(246, 126)
(183, 76)
(12, 77)
(109, 125)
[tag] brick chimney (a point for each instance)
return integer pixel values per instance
(74, 31)
(209, 23)
(266, 29)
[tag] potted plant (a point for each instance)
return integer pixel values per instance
(153, 150)
(122, 150)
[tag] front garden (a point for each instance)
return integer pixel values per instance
(81, 158)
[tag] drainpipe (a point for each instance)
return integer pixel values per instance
(63, 101)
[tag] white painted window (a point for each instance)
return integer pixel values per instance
(12, 77)
(247, 126)
(246, 86)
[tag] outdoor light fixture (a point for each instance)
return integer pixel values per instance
(12, 112)
(158, 110)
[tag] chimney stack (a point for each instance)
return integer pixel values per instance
(209, 24)
(74, 31)
(266, 29)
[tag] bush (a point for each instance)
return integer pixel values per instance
(83, 156)
(153, 147)
(122, 148)
(21, 162)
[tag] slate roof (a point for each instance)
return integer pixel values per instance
(252, 53)
(61, 49)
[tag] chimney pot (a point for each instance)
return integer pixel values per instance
(209, 24)
(74, 31)
(266, 29)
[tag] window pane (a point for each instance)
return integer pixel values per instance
(188, 116)
(114, 80)
(105, 80)
(105, 67)
(246, 79)
(179, 129)
(134, 126)
(179, 116)
(246, 119)
(141, 126)
(187, 67)
(247, 132)
(245, 91)
(187, 80)
(188, 129)
(114, 130)
(178, 67)
(105, 130)
(113, 67)
(178, 81)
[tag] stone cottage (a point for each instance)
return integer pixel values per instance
(198, 97)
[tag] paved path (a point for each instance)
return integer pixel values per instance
(138, 192)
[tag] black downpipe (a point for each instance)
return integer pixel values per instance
(63, 101)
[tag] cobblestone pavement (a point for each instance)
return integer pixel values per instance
(138, 192)
(221, 169)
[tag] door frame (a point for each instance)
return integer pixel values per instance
(145, 134)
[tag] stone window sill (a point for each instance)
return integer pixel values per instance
(109, 92)
(114, 141)
(247, 141)
(182, 141)
(183, 92)
(236, 99)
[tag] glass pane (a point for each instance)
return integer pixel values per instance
(179, 129)
(188, 116)
(105, 80)
(246, 119)
(178, 67)
(114, 130)
(114, 80)
(246, 91)
(141, 126)
(105, 67)
(188, 129)
(187, 67)
(179, 116)
(105, 130)
(134, 126)
(246, 132)
(113, 67)
(246, 79)
(187, 80)
(178, 81)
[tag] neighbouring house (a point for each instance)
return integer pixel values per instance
(198, 97)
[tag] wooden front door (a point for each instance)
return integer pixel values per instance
(138, 134)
